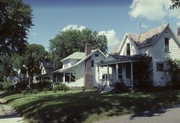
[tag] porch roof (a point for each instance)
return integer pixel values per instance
(115, 59)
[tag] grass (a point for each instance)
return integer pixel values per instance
(79, 107)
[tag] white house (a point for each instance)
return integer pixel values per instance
(158, 44)
(81, 69)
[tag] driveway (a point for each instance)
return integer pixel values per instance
(169, 115)
(7, 115)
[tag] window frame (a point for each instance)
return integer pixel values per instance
(128, 49)
(166, 45)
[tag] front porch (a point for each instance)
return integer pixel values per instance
(124, 69)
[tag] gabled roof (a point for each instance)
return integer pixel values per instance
(76, 55)
(116, 50)
(79, 62)
(48, 66)
(147, 38)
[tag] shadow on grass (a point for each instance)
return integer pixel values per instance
(78, 107)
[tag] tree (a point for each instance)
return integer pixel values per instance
(5, 67)
(73, 40)
(15, 20)
(34, 54)
(175, 4)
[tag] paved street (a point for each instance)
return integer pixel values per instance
(170, 115)
(7, 115)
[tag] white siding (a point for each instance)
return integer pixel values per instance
(158, 54)
(133, 48)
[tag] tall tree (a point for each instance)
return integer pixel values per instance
(30, 60)
(15, 21)
(73, 40)
(175, 4)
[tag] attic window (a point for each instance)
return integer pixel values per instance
(92, 63)
(97, 55)
(166, 42)
(128, 49)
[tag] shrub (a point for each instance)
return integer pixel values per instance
(21, 85)
(61, 86)
(45, 90)
(41, 85)
(120, 87)
(1, 86)
(174, 70)
(8, 86)
(24, 92)
(34, 91)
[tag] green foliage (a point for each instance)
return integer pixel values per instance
(45, 90)
(1, 86)
(34, 91)
(174, 70)
(120, 87)
(72, 40)
(62, 87)
(15, 21)
(142, 73)
(8, 86)
(25, 92)
(175, 4)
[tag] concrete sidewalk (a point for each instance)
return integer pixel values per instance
(169, 115)
(7, 114)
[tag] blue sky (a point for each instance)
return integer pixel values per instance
(110, 17)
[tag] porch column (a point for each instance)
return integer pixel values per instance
(107, 74)
(132, 80)
(117, 72)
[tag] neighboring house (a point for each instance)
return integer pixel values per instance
(81, 69)
(157, 44)
(46, 68)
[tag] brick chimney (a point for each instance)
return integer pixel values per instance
(178, 31)
(88, 74)
(87, 48)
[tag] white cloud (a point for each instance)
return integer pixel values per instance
(73, 26)
(143, 25)
(110, 34)
(152, 9)
(111, 37)
(178, 23)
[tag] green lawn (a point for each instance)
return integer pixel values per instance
(78, 107)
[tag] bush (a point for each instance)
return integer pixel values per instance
(21, 85)
(120, 87)
(61, 86)
(24, 92)
(1, 86)
(34, 91)
(8, 86)
(41, 85)
(45, 90)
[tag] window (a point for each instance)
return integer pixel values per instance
(70, 77)
(128, 49)
(92, 63)
(166, 42)
(73, 78)
(119, 73)
(67, 77)
(97, 55)
(160, 66)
